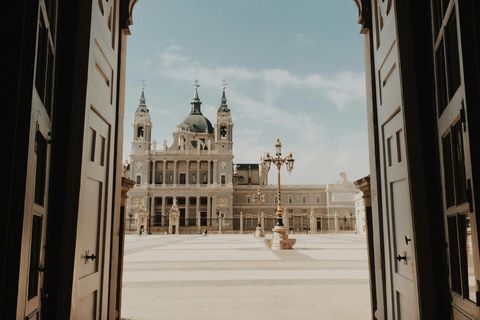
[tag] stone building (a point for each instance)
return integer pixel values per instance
(198, 173)
(361, 227)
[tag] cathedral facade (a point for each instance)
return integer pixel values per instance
(196, 176)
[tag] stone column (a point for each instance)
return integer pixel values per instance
(199, 216)
(241, 222)
(220, 230)
(336, 222)
(164, 199)
(285, 218)
(174, 172)
(198, 220)
(153, 172)
(187, 210)
(187, 174)
(164, 175)
(152, 211)
(209, 174)
(230, 213)
(209, 211)
(198, 172)
(213, 208)
(313, 222)
(215, 171)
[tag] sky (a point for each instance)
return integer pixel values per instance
(293, 69)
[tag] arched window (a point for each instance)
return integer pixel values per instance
(223, 132)
(140, 132)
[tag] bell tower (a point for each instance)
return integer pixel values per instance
(142, 128)
(224, 127)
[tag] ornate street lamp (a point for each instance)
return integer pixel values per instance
(278, 161)
(280, 238)
(259, 198)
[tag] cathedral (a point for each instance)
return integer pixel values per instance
(194, 183)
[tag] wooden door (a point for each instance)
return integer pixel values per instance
(400, 275)
(92, 260)
(453, 133)
(31, 298)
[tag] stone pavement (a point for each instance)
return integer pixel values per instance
(235, 276)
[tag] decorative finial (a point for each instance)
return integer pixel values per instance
(143, 83)
(196, 84)
(224, 83)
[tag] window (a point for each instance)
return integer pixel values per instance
(35, 257)
(447, 59)
(40, 174)
(461, 256)
(222, 179)
(249, 199)
(182, 178)
(157, 219)
(454, 166)
(304, 199)
(223, 132)
(290, 199)
(44, 73)
(139, 179)
(140, 132)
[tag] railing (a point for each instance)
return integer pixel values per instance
(159, 225)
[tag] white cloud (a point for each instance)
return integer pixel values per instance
(341, 88)
(171, 56)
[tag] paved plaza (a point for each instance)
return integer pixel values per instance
(235, 276)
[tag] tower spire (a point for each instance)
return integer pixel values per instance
(142, 97)
(142, 107)
(196, 100)
(223, 105)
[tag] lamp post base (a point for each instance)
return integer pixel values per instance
(259, 232)
(280, 239)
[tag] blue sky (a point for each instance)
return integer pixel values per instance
(294, 69)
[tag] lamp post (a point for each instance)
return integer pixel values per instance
(280, 239)
(220, 214)
(259, 198)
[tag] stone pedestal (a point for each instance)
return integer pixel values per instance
(280, 239)
(259, 232)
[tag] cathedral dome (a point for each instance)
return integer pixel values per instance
(198, 123)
